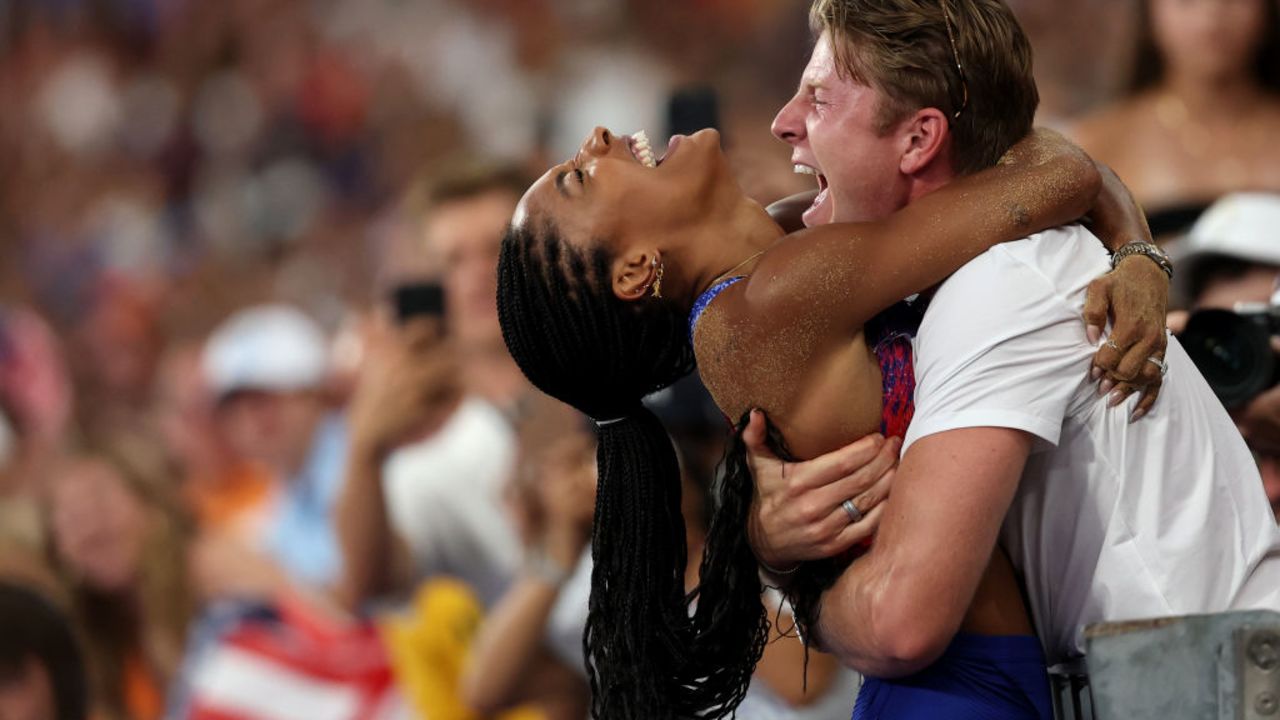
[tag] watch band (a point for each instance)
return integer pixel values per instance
(1146, 249)
(538, 564)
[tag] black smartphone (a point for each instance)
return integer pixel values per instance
(415, 300)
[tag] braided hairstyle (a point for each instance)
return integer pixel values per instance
(648, 656)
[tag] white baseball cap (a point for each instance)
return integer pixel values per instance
(267, 347)
(1242, 226)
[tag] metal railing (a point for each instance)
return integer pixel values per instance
(1224, 666)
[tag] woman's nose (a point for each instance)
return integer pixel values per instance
(598, 142)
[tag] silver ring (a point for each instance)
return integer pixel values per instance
(1112, 344)
(854, 513)
(1160, 363)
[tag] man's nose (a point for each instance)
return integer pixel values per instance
(786, 124)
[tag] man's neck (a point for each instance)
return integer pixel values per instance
(933, 177)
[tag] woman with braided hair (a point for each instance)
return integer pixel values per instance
(616, 268)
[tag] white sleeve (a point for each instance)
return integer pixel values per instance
(1003, 345)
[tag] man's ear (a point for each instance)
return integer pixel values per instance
(926, 134)
(634, 273)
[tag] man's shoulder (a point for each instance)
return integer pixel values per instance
(1012, 292)
(1057, 263)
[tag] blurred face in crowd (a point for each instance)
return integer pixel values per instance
(98, 525)
(1208, 40)
(185, 413)
(28, 695)
(1255, 285)
(274, 428)
(466, 233)
(831, 125)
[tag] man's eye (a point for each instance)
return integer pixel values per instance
(578, 174)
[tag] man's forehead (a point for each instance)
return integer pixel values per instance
(823, 70)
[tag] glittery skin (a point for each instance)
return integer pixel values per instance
(889, 333)
(704, 300)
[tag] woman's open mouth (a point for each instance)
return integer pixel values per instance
(641, 150)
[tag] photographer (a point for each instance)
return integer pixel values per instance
(1228, 267)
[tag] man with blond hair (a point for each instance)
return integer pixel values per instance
(1012, 449)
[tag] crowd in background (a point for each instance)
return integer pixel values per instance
(241, 474)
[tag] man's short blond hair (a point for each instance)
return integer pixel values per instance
(902, 48)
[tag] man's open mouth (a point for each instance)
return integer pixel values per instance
(823, 188)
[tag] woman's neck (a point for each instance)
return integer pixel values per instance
(722, 247)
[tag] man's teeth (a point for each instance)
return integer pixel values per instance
(643, 151)
(805, 170)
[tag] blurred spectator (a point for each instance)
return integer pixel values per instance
(120, 541)
(225, 492)
(463, 215)
(42, 673)
(430, 446)
(1231, 261)
(266, 367)
(1202, 110)
(35, 410)
(113, 352)
(529, 648)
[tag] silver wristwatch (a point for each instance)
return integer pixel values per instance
(1156, 255)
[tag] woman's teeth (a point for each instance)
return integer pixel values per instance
(805, 170)
(643, 151)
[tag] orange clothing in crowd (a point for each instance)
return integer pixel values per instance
(143, 697)
(232, 499)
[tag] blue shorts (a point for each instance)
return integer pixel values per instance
(979, 677)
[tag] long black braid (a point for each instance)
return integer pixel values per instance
(649, 657)
(803, 588)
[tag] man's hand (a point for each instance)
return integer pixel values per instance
(796, 515)
(1136, 297)
(409, 384)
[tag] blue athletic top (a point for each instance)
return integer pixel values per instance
(979, 677)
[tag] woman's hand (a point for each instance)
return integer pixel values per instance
(1136, 297)
(797, 514)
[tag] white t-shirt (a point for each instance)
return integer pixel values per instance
(444, 498)
(1111, 521)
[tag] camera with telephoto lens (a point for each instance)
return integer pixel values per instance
(1233, 350)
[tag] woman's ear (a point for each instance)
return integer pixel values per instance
(926, 134)
(634, 273)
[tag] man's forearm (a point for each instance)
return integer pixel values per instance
(895, 610)
(853, 625)
(364, 531)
